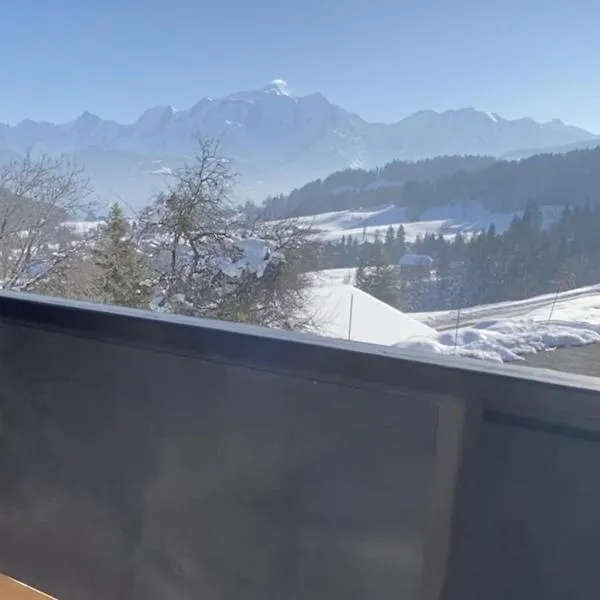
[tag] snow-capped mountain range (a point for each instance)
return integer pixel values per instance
(276, 140)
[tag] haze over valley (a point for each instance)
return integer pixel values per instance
(275, 140)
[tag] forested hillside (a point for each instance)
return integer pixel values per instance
(526, 260)
(355, 188)
(502, 186)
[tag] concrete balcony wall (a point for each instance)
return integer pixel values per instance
(144, 457)
(528, 525)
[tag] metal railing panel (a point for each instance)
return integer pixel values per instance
(145, 456)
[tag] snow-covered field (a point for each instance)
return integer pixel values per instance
(468, 218)
(500, 332)
(506, 340)
(508, 330)
(569, 302)
(83, 227)
(342, 311)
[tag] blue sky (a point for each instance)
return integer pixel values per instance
(380, 58)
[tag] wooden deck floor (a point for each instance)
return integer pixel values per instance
(10, 589)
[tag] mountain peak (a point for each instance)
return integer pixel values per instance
(88, 118)
(155, 116)
(276, 140)
(278, 87)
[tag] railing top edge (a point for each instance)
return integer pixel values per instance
(285, 351)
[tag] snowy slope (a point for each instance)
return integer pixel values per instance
(580, 299)
(482, 132)
(363, 225)
(506, 340)
(507, 330)
(342, 311)
(501, 332)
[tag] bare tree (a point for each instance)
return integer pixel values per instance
(185, 231)
(76, 277)
(37, 196)
(280, 295)
(199, 246)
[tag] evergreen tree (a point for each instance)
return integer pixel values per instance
(389, 246)
(124, 279)
(379, 279)
(376, 257)
(353, 251)
(360, 277)
(401, 240)
(383, 284)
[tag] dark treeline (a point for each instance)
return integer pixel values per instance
(548, 179)
(526, 260)
(503, 186)
(356, 188)
(352, 252)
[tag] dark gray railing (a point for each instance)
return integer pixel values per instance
(149, 457)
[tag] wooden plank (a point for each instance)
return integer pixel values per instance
(11, 589)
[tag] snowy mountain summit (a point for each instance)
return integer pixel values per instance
(279, 87)
(275, 139)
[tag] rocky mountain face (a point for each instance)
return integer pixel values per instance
(275, 140)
